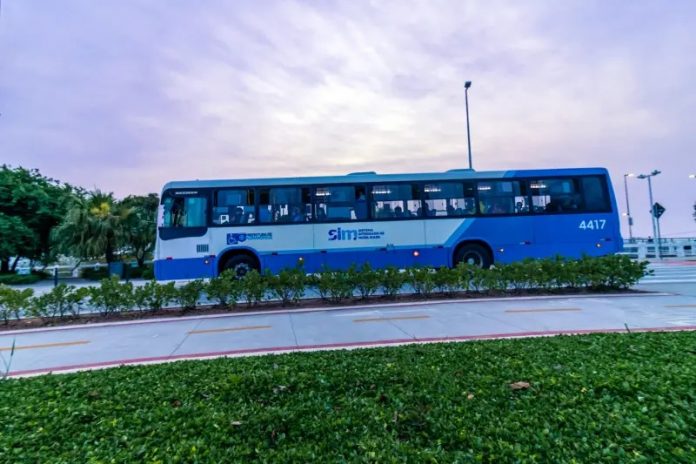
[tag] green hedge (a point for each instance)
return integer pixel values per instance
(145, 272)
(290, 286)
(610, 398)
(94, 273)
(20, 279)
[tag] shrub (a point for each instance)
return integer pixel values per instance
(622, 272)
(517, 275)
(144, 272)
(590, 270)
(154, 296)
(421, 280)
(335, 286)
(288, 285)
(148, 273)
(366, 280)
(254, 288)
(447, 280)
(225, 289)
(111, 296)
(471, 277)
(391, 280)
(61, 301)
(493, 280)
(94, 273)
(546, 273)
(188, 294)
(20, 279)
(14, 302)
(567, 276)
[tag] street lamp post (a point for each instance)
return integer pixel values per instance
(467, 84)
(628, 207)
(655, 221)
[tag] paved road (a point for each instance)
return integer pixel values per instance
(96, 346)
(676, 276)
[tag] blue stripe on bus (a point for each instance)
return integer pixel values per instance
(194, 268)
(401, 257)
(185, 268)
(458, 234)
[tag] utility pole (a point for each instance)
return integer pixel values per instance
(655, 220)
(628, 207)
(467, 84)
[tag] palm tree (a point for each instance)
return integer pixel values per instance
(93, 227)
(141, 227)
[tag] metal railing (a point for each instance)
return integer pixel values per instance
(641, 248)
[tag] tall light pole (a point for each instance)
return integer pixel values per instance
(467, 84)
(655, 221)
(628, 207)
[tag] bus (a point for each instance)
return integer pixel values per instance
(430, 219)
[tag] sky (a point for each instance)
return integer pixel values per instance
(126, 95)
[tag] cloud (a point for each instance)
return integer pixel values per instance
(129, 95)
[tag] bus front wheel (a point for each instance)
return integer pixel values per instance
(475, 255)
(240, 265)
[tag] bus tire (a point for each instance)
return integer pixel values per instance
(240, 265)
(474, 254)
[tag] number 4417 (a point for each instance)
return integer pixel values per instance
(593, 224)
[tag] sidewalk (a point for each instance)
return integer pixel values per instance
(70, 348)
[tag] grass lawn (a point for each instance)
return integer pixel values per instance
(595, 398)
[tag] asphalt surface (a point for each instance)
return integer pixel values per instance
(71, 348)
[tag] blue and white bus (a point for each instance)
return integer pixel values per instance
(432, 219)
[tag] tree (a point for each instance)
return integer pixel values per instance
(141, 226)
(16, 239)
(31, 205)
(94, 226)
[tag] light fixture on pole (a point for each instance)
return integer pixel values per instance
(655, 220)
(467, 84)
(692, 176)
(628, 207)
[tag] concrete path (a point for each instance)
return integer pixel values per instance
(72, 348)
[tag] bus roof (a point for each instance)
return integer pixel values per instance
(372, 177)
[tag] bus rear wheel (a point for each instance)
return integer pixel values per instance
(240, 265)
(475, 255)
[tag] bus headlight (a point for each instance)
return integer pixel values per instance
(416, 253)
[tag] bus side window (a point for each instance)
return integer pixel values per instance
(235, 206)
(594, 193)
(284, 205)
(335, 203)
(265, 208)
(451, 199)
(396, 201)
(184, 212)
(360, 204)
(555, 195)
(502, 197)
